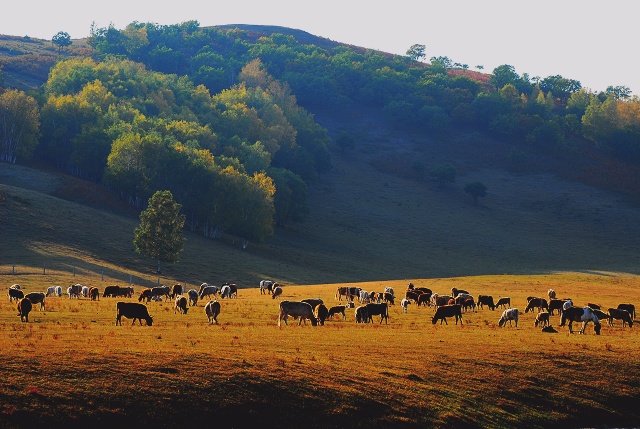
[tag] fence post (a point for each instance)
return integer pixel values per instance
(74, 271)
(13, 269)
(44, 269)
(130, 279)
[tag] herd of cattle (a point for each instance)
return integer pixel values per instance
(371, 304)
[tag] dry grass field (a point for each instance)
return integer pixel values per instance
(70, 365)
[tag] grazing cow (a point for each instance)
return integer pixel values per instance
(486, 300)
(35, 298)
(469, 303)
(58, 290)
(372, 296)
(180, 305)
(161, 291)
(176, 290)
(542, 319)
(233, 290)
(277, 291)
(16, 294)
(577, 314)
(208, 290)
(552, 294)
(94, 294)
(24, 307)
(111, 292)
(74, 291)
(381, 309)
(424, 298)
(313, 302)
(504, 302)
(555, 304)
(225, 292)
(145, 294)
(212, 310)
(363, 296)
(389, 289)
(456, 291)
(321, 313)
(412, 295)
(353, 292)
(132, 310)
(389, 298)
(338, 309)
(85, 291)
(441, 300)
(266, 286)
(539, 303)
(593, 306)
(340, 292)
(405, 303)
(508, 315)
(445, 311)
(623, 315)
(629, 307)
(51, 290)
(126, 291)
(296, 309)
(193, 297)
(361, 314)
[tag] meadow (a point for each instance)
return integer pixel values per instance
(71, 365)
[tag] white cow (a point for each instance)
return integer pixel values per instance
(193, 297)
(508, 315)
(51, 290)
(404, 304)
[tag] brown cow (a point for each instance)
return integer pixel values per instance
(504, 302)
(176, 290)
(180, 305)
(542, 319)
(212, 310)
(24, 307)
(94, 294)
(445, 311)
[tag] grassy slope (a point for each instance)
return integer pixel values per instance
(71, 365)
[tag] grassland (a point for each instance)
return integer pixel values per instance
(71, 365)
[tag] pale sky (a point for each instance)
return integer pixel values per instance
(590, 41)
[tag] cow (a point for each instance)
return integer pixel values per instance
(51, 290)
(372, 296)
(445, 311)
(389, 289)
(296, 309)
(132, 310)
(615, 313)
(555, 304)
(35, 298)
(539, 303)
(111, 292)
(85, 291)
(584, 315)
(508, 315)
(74, 291)
(412, 295)
(456, 291)
(440, 300)
(363, 296)
(321, 313)
(424, 298)
(404, 304)
(389, 297)
(161, 291)
(180, 304)
(233, 290)
(176, 290)
(16, 294)
(277, 291)
(504, 302)
(94, 294)
(340, 292)
(24, 307)
(542, 319)
(193, 297)
(361, 314)
(313, 302)
(266, 286)
(629, 307)
(469, 303)
(552, 294)
(225, 292)
(486, 300)
(126, 291)
(381, 309)
(145, 294)
(212, 310)
(338, 309)
(208, 290)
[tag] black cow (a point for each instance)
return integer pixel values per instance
(630, 308)
(539, 303)
(321, 313)
(35, 298)
(556, 304)
(374, 309)
(175, 291)
(454, 310)
(16, 294)
(504, 302)
(486, 300)
(338, 309)
(624, 315)
(132, 310)
(111, 292)
(24, 307)
(181, 304)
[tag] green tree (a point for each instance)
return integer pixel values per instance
(19, 125)
(444, 173)
(159, 235)
(476, 190)
(416, 52)
(61, 39)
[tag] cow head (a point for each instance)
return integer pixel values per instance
(597, 327)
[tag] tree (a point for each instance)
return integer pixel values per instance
(476, 190)
(619, 92)
(416, 52)
(61, 39)
(159, 234)
(444, 173)
(19, 125)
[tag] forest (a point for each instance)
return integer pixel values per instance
(220, 116)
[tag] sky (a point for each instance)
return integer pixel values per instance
(592, 42)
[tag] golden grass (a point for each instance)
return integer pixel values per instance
(70, 364)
